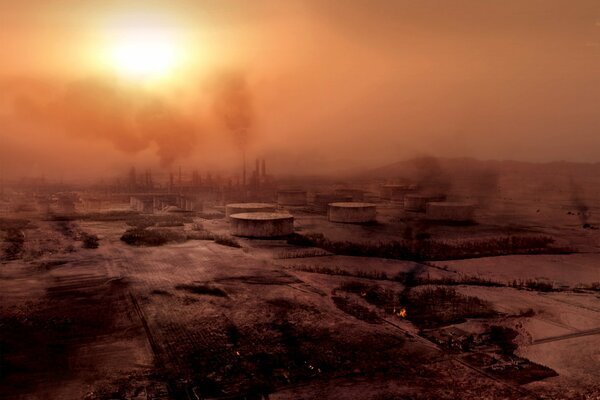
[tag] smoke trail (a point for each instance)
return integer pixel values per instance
(232, 104)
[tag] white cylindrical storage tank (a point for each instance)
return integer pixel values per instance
(238, 208)
(418, 202)
(352, 213)
(450, 211)
(291, 197)
(322, 200)
(261, 224)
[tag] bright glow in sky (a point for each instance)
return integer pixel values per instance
(145, 53)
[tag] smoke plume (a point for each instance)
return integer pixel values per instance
(127, 116)
(232, 104)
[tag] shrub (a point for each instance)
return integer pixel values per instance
(14, 242)
(504, 338)
(151, 237)
(226, 241)
(435, 307)
(203, 289)
(533, 284)
(90, 241)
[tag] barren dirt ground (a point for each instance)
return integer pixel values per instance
(198, 319)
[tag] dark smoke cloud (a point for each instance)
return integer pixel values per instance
(127, 116)
(233, 106)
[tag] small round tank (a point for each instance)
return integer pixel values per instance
(291, 197)
(261, 224)
(450, 211)
(322, 200)
(418, 202)
(238, 208)
(352, 213)
(396, 192)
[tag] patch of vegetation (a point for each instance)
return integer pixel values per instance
(66, 228)
(160, 292)
(203, 289)
(170, 223)
(356, 310)
(468, 280)
(375, 275)
(200, 235)
(386, 299)
(406, 278)
(13, 244)
(151, 237)
(147, 221)
(226, 241)
(533, 284)
(90, 241)
(48, 265)
(595, 286)
(504, 338)
(197, 226)
(303, 253)
(435, 307)
(109, 216)
(219, 239)
(7, 224)
(430, 249)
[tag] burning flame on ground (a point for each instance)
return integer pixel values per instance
(400, 312)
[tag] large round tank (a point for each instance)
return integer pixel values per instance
(291, 197)
(418, 202)
(322, 200)
(396, 192)
(261, 224)
(353, 213)
(238, 208)
(450, 211)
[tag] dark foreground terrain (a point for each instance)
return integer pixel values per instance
(203, 315)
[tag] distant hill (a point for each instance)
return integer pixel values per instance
(416, 167)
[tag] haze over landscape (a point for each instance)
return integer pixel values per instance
(327, 86)
(300, 199)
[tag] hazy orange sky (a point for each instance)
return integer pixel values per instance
(319, 85)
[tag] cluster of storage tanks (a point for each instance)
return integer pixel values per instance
(265, 220)
(435, 206)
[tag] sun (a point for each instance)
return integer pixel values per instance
(145, 53)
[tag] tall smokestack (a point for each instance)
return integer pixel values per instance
(257, 173)
(132, 178)
(244, 169)
(263, 171)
